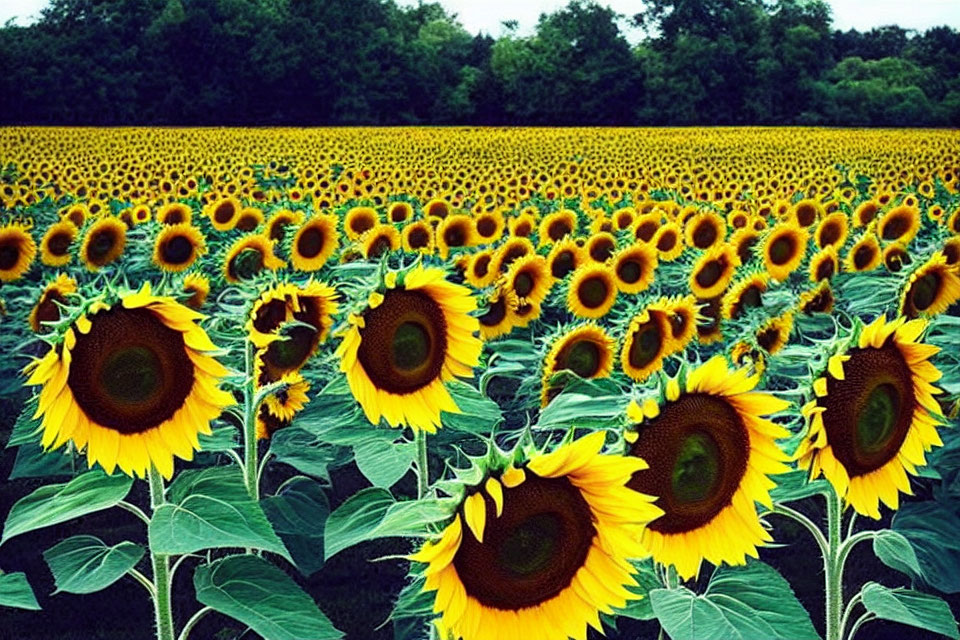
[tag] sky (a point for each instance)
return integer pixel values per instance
(487, 15)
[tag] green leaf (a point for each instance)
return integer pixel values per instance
(384, 463)
(931, 528)
(795, 486)
(910, 607)
(211, 509)
(895, 551)
(84, 564)
(478, 413)
(374, 513)
(26, 429)
(741, 603)
(298, 513)
(33, 462)
(261, 596)
(642, 609)
(223, 438)
(15, 592)
(304, 451)
(55, 503)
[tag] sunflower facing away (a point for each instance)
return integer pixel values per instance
(132, 382)
(538, 551)
(410, 340)
(17, 251)
(710, 452)
(873, 415)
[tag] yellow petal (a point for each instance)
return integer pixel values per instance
(513, 477)
(495, 491)
(475, 513)
(835, 365)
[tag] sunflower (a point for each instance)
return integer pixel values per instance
(713, 271)
(806, 212)
(379, 241)
(360, 220)
(682, 313)
(47, 309)
(951, 251)
(772, 336)
(865, 213)
(784, 249)
(223, 213)
(268, 424)
(711, 453)
(77, 214)
(817, 300)
(315, 241)
(454, 232)
(556, 226)
(248, 256)
(524, 314)
(592, 291)
(17, 251)
(177, 247)
(565, 257)
(418, 237)
(399, 212)
(624, 218)
(174, 213)
(864, 255)
(710, 331)
(900, 224)
(496, 320)
(103, 243)
(132, 382)
(437, 209)
(600, 246)
(56, 242)
(488, 226)
(290, 400)
(198, 286)
(477, 272)
(529, 279)
(523, 225)
(586, 350)
(824, 264)
(931, 289)
(140, 214)
(744, 294)
(537, 551)
(873, 415)
(953, 222)
(744, 242)
(509, 251)
(646, 226)
(705, 230)
(667, 241)
(410, 339)
(279, 222)
(649, 339)
(833, 230)
(309, 308)
(895, 257)
(634, 267)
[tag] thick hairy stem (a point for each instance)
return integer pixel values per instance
(250, 467)
(423, 463)
(161, 568)
(833, 569)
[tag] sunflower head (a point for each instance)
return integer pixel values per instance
(710, 451)
(47, 309)
(76, 213)
(307, 309)
(784, 249)
(565, 257)
(668, 242)
(56, 243)
(528, 278)
(746, 293)
(488, 226)
(634, 267)
(586, 350)
(833, 230)
(806, 212)
(556, 226)
(223, 213)
(865, 213)
(418, 237)
(495, 319)
(529, 539)
(248, 257)
(824, 264)
(197, 288)
(899, 224)
(648, 340)
(280, 222)
(103, 243)
(17, 251)
(772, 336)
(647, 226)
(744, 242)
(284, 403)
(398, 212)
(705, 230)
(592, 291)
(314, 243)
(873, 416)
(895, 257)
(177, 247)
(132, 381)
(864, 255)
(454, 232)
(713, 271)
(932, 288)
(174, 213)
(601, 246)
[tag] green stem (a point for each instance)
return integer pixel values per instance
(249, 425)
(833, 569)
(862, 620)
(187, 628)
(848, 612)
(783, 510)
(161, 568)
(423, 463)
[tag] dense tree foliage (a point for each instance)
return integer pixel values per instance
(327, 62)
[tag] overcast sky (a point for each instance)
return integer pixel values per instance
(486, 15)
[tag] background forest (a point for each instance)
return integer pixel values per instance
(330, 62)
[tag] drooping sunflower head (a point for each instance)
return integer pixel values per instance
(873, 415)
(414, 334)
(634, 267)
(817, 300)
(710, 451)
(586, 350)
(308, 308)
(648, 340)
(713, 271)
(564, 258)
(495, 320)
(177, 247)
(380, 241)
(223, 213)
(284, 403)
(56, 243)
(668, 242)
(864, 255)
(360, 220)
(895, 257)
(529, 279)
(556, 226)
(545, 544)
(931, 289)
(592, 291)
(746, 293)
(773, 335)
(281, 221)
(197, 288)
(705, 230)
(314, 243)
(103, 243)
(824, 264)
(132, 381)
(454, 232)
(47, 308)
(784, 249)
(174, 213)
(833, 230)
(806, 212)
(17, 251)
(899, 224)
(601, 246)
(248, 256)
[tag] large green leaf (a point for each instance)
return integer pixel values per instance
(84, 564)
(584, 403)
(931, 527)
(55, 503)
(741, 603)
(211, 509)
(298, 513)
(15, 592)
(305, 451)
(33, 462)
(26, 429)
(374, 513)
(383, 462)
(478, 413)
(910, 607)
(795, 486)
(261, 596)
(895, 551)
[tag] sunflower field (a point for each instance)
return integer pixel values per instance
(480, 384)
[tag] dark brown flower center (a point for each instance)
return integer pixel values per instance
(310, 242)
(593, 291)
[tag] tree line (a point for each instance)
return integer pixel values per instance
(349, 62)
